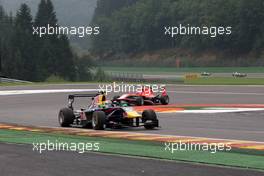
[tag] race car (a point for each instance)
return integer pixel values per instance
(143, 97)
(239, 75)
(206, 74)
(101, 114)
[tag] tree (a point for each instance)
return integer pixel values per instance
(29, 57)
(45, 14)
(83, 68)
(6, 28)
(54, 52)
(251, 18)
(21, 43)
(107, 8)
(65, 65)
(137, 27)
(1, 40)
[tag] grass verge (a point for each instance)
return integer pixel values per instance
(50, 83)
(199, 81)
(171, 70)
(225, 81)
(244, 159)
(14, 84)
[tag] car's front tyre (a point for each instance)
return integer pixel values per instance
(150, 120)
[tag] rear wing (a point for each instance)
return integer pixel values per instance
(82, 95)
(73, 96)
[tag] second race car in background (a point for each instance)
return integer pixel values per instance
(145, 97)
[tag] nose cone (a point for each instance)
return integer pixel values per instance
(133, 114)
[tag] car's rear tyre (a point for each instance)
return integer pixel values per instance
(139, 101)
(98, 120)
(150, 120)
(165, 100)
(66, 117)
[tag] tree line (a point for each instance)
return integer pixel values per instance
(29, 57)
(133, 26)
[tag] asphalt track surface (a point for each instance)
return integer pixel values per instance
(20, 160)
(42, 109)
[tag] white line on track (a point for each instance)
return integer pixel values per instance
(224, 110)
(186, 85)
(216, 93)
(47, 91)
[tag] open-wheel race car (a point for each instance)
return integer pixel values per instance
(239, 75)
(206, 74)
(103, 114)
(144, 97)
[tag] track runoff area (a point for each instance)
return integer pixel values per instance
(230, 152)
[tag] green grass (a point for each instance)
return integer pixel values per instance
(49, 83)
(247, 159)
(14, 84)
(225, 81)
(171, 70)
(199, 81)
(55, 79)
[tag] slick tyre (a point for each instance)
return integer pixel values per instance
(150, 120)
(164, 100)
(66, 117)
(98, 120)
